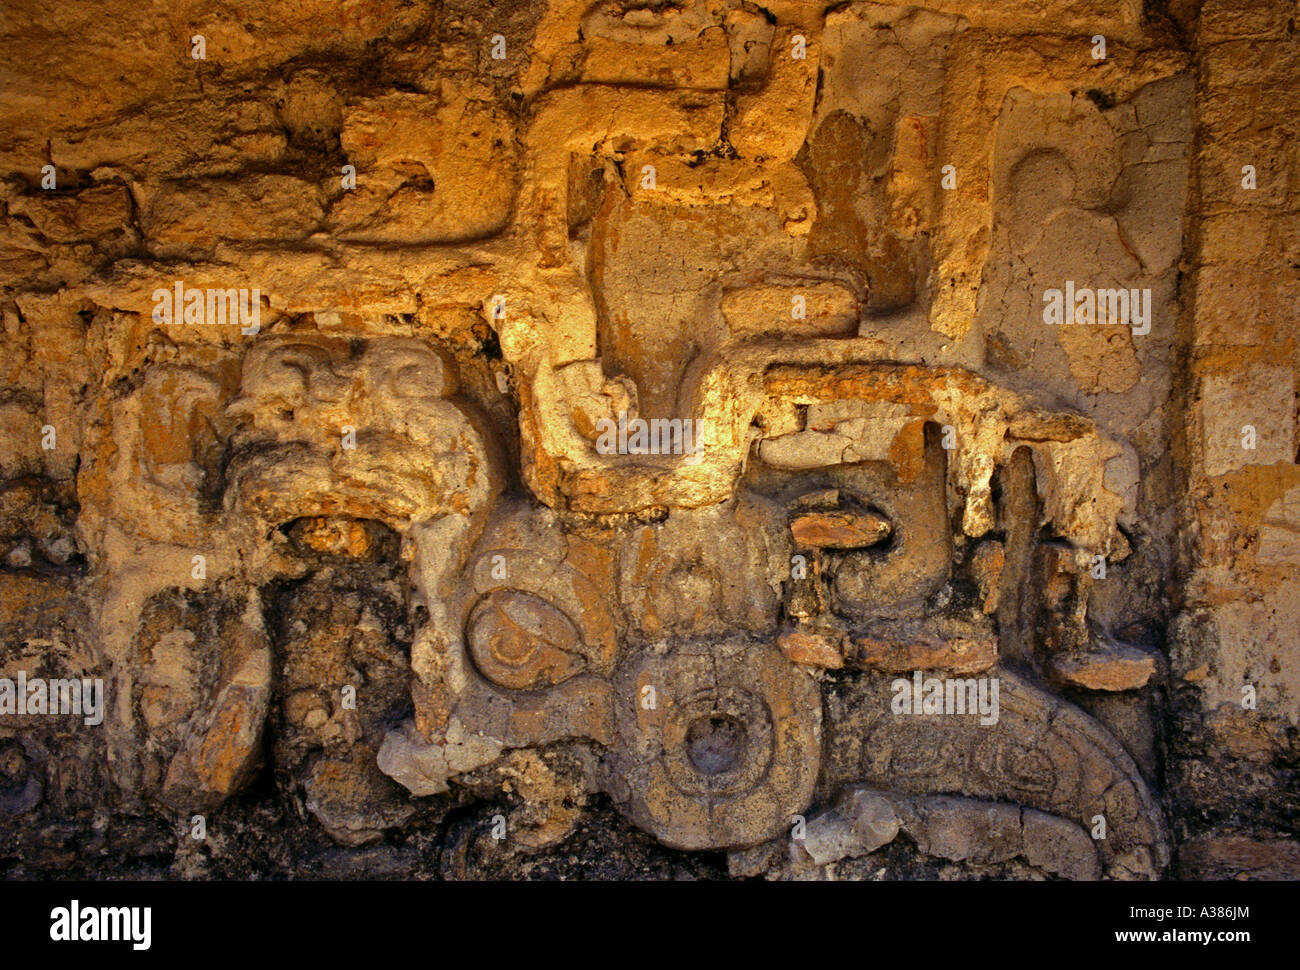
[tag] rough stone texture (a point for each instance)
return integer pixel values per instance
(368, 587)
(1114, 668)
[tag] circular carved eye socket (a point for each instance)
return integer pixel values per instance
(728, 751)
(715, 744)
(520, 641)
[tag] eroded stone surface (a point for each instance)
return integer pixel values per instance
(369, 554)
(716, 746)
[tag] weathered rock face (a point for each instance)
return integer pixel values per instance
(462, 440)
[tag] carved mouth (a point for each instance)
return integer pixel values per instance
(282, 482)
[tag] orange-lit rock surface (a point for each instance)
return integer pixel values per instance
(637, 423)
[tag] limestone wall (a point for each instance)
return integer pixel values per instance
(456, 440)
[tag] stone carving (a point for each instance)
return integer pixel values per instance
(959, 829)
(520, 641)
(293, 453)
(717, 744)
(380, 531)
(1042, 753)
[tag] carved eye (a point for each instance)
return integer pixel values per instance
(728, 751)
(415, 380)
(411, 372)
(520, 641)
(286, 371)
